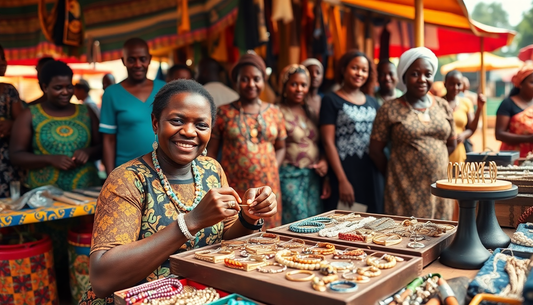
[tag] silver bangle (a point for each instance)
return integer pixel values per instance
(183, 227)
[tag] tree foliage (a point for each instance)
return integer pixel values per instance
(525, 30)
(491, 14)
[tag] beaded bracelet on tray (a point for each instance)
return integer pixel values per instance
(306, 227)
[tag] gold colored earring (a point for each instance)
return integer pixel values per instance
(155, 145)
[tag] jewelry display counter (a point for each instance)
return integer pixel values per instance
(432, 245)
(343, 280)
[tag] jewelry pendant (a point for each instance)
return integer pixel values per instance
(254, 133)
(424, 118)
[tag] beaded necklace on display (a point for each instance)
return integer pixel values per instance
(306, 227)
(150, 291)
(345, 227)
(170, 192)
(381, 224)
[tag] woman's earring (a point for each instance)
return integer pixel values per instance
(204, 153)
(155, 145)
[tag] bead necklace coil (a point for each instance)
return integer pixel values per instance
(344, 227)
(164, 288)
(306, 227)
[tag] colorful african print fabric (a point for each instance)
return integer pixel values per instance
(62, 136)
(8, 96)
(133, 205)
(248, 153)
(29, 280)
(300, 189)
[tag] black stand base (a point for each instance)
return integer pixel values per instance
(490, 232)
(466, 251)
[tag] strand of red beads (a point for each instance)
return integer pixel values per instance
(150, 291)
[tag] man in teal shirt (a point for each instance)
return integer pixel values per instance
(126, 107)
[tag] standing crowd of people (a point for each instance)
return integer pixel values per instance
(213, 163)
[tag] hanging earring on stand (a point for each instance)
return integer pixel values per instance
(155, 145)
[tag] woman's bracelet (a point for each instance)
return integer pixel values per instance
(251, 226)
(183, 227)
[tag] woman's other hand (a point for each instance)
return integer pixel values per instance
(61, 162)
(346, 193)
(80, 157)
(481, 100)
(326, 189)
(321, 167)
(262, 203)
(217, 205)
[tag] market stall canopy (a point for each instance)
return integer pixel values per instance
(448, 28)
(473, 63)
(442, 41)
(107, 24)
(526, 53)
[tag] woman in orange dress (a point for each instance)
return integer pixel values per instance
(251, 134)
(514, 119)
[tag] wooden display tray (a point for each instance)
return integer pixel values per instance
(429, 253)
(275, 289)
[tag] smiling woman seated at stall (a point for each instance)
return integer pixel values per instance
(170, 200)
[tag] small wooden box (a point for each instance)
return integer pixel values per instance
(429, 253)
(275, 289)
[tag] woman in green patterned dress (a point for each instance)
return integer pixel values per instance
(56, 140)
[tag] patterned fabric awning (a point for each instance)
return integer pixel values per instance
(110, 23)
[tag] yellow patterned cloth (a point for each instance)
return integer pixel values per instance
(62, 136)
(133, 205)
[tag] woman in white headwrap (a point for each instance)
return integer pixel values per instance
(420, 128)
(314, 99)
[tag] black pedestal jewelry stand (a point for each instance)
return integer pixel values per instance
(488, 228)
(466, 251)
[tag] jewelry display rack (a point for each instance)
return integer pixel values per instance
(433, 246)
(467, 250)
(274, 288)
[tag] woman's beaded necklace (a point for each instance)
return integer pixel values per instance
(170, 192)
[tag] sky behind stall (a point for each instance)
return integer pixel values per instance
(514, 8)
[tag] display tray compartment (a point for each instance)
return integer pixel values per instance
(275, 289)
(429, 253)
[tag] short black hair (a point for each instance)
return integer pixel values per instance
(181, 86)
(383, 63)
(43, 60)
(368, 87)
(136, 42)
(177, 67)
(52, 69)
(452, 73)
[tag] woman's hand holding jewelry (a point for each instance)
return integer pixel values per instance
(217, 205)
(261, 201)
